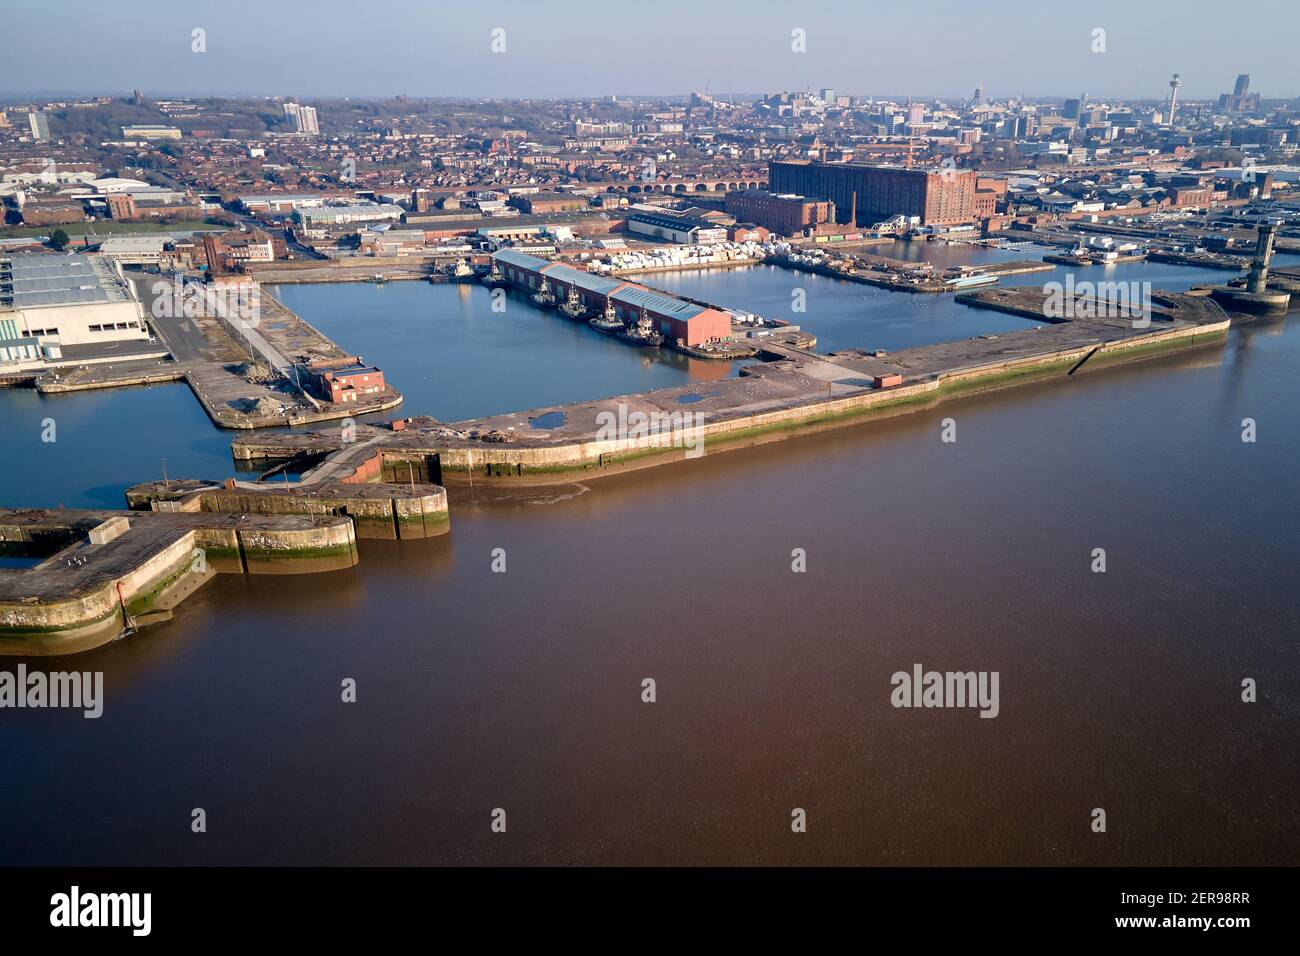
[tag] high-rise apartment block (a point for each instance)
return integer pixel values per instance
(302, 118)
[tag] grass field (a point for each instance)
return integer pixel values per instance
(102, 230)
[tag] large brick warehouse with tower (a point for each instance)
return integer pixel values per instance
(865, 195)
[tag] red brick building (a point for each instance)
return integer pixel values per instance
(52, 212)
(784, 214)
(348, 382)
(121, 205)
(542, 204)
(1181, 196)
(124, 206)
(747, 232)
(864, 195)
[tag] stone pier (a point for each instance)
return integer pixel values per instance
(97, 575)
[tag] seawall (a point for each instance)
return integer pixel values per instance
(111, 568)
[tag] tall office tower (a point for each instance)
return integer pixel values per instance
(1174, 85)
(40, 124)
(828, 96)
(1242, 86)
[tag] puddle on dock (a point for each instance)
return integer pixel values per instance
(549, 420)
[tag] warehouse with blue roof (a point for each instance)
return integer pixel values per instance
(681, 322)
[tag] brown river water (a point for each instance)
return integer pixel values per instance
(522, 690)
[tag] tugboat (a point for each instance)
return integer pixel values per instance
(609, 322)
(462, 271)
(379, 278)
(495, 279)
(643, 333)
(573, 307)
(544, 298)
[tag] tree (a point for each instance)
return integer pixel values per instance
(59, 239)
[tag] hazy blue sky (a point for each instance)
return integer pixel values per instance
(598, 47)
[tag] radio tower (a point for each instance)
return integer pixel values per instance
(1174, 84)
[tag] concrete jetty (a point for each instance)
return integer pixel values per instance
(899, 275)
(244, 376)
(348, 478)
(98, 574)
(386, 510)
(801, 391)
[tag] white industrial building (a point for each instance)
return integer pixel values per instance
(49, 303)
(353, 212)
(134, 250)
(666, 226)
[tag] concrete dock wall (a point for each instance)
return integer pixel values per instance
(505, 460)
(91, 618)
(64, 605)
(386, 511)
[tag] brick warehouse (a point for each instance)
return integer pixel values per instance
(680, 321)
(784, 214)
(346, 380)
(938, 197)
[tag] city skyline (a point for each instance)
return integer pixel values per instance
(728, 48)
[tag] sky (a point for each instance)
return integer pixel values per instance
(572, 48)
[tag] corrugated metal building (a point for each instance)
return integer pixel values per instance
(679, 320)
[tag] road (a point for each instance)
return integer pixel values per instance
(181, 335)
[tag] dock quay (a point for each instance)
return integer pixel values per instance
(1066, 259)
(384, 510)
(357, 269)
(244, 373)
(899, 276)
(686, 266)
(1206, 260)
(127, 374)
(99, 574)
(348, 477)
(800, 391)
